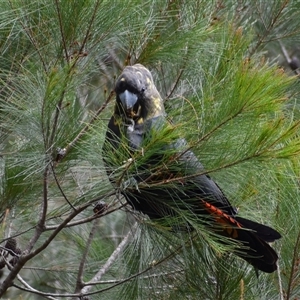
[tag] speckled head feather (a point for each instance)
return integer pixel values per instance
(137, 81)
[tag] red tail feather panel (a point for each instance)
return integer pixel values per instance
(227, 223)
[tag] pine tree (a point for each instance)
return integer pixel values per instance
(226, 71)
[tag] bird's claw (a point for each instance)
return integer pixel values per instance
(130, 127)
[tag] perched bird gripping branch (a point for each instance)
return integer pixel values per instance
(161, 177)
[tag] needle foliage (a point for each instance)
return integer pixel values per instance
(223, 70)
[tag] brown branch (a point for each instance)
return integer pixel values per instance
(37, 292)
(288, 59)
(41, 222)
(113, 281)
(281, 291)
(90, 26)
(79, 281)
(171, 91)
(86, 220)
(169, 256)
(78, 222)
(8, 281)
(110, 261)
(30, 288)
(60, 188)
(61, 30)
(269, 27)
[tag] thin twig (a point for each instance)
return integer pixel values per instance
(142, 277)
(32, 290)
(287, 57)
(60, 188)
(56, 231)
(262, 39)
(86, 220)
(41, 222)
(81, 221)
(172, 89)
(110, 261)
(95, 10)
(79, 281)
(61, 30)
(285, 53)
(281, 294)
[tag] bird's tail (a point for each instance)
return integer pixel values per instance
(264, 232)
(252, 236)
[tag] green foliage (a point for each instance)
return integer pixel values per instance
(216, 65)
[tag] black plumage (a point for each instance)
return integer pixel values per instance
(165, 177)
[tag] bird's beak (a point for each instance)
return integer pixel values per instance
(129, 101)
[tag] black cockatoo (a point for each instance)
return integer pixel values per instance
(161, 177)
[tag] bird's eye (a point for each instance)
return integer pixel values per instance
(143, 90)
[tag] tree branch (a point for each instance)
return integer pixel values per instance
(60, 188)
(63, 38)
(110, 261)
(31, 289)
(79, 281)
(41, 223)
(26, 257)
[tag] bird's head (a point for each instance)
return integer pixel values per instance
(137, 98)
